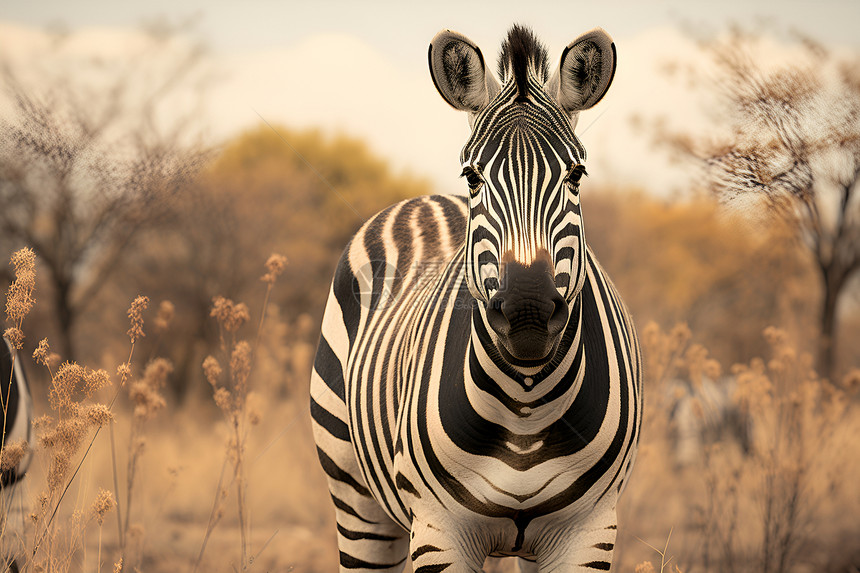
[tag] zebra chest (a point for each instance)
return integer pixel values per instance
(449, 452)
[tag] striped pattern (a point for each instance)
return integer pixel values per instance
(529, 147)
(703, 413)
(436, 448)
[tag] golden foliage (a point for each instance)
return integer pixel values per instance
(19, 296)
(135, 314)
(301, 199)
(685, 261)
(230, 316)
(166, 312)
(275, 266)
(12, 453)
(103, 503)
(144, 393)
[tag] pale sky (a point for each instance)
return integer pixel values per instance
(361, 67)
(233, 25)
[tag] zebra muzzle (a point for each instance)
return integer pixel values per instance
(527, 313)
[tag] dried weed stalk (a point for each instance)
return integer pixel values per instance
(62, 435)
(147, 400)
(19, 301)
(761, 508)
(233, 397)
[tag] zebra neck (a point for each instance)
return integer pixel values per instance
(500, 391)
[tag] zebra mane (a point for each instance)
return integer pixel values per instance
(521, 51)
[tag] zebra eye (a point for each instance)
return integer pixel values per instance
(474, 179)
(574, 175)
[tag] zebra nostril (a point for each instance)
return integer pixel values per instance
(558, 319)
(496, 316)
(504, 316)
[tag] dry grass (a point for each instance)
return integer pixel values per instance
(237, 486)
(171, 473)
(787, 505)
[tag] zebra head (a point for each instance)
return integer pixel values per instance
(525, 249)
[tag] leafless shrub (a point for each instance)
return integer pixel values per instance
(794, 149)
(87, 162)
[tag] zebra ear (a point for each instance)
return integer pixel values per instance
(586, 69)
(459, 72)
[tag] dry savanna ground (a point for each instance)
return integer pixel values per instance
(238, 473)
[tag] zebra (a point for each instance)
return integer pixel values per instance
(705, 413)
(476, 388)
(17, 411)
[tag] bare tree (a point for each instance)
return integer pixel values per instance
(794, 148)
(89, 157)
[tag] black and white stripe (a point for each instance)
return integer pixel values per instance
(476, 390)
(17, 411)
(703, 413)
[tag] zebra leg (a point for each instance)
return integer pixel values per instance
(367, 538)
(587, 548)
(436, 548)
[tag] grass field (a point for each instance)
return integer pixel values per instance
(242, 475)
